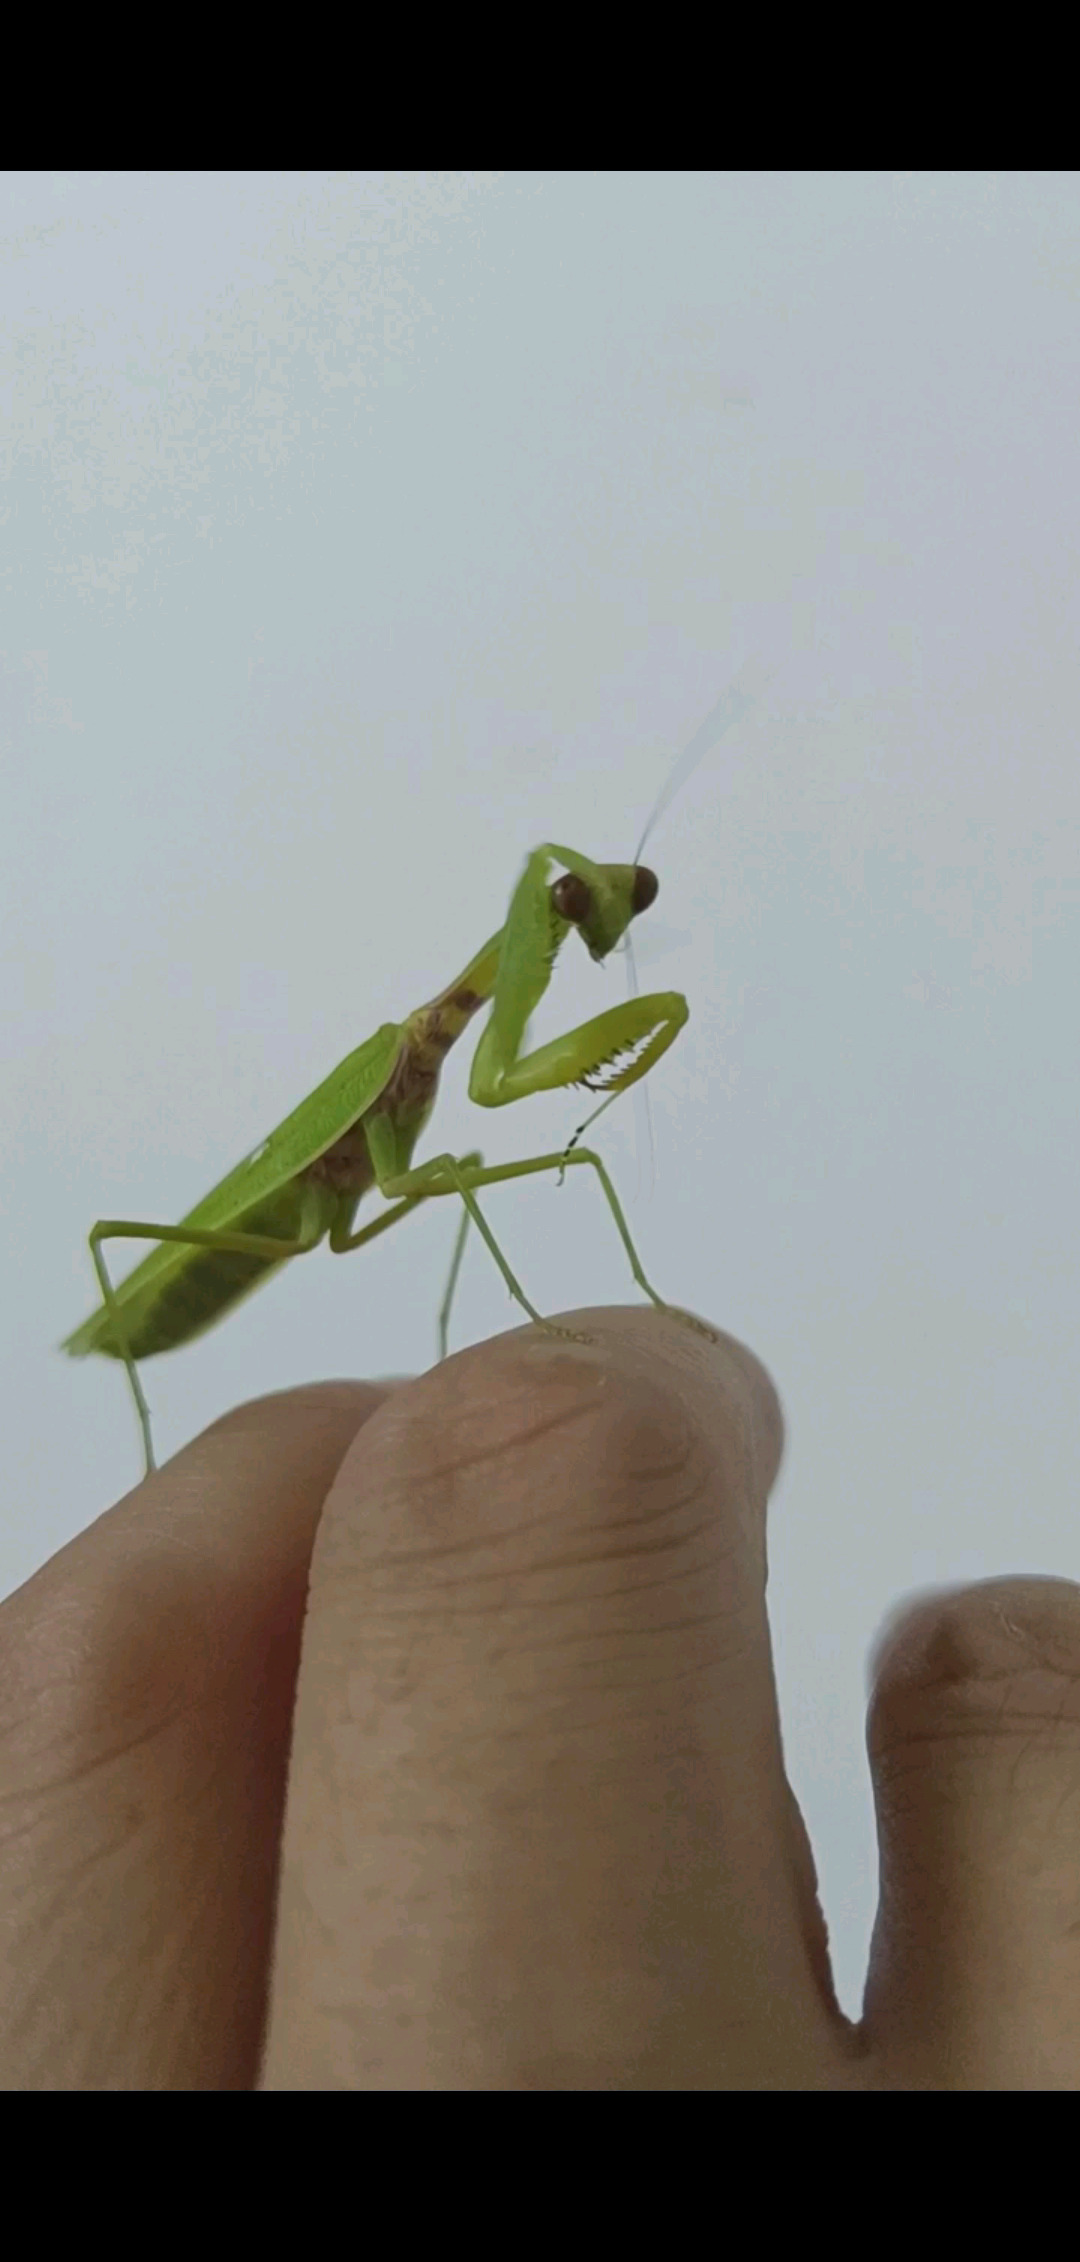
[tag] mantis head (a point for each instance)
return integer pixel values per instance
(601, 899)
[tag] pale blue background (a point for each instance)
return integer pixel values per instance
(359, 532)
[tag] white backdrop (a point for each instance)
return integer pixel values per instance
(362, 531)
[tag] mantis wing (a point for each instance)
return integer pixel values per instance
(329, 1111)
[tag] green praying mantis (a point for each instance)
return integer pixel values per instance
(358, 1130)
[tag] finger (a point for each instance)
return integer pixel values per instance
(146, 1693)
(538, 1832)
(975, 1748)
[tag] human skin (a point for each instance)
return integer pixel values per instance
(537, 1832)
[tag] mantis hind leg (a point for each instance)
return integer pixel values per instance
(191, 1237)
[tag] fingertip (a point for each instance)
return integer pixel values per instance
(959, 1633)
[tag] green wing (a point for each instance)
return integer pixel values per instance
(329, 1111)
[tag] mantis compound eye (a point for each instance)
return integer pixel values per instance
(572, 899)
(645, 890)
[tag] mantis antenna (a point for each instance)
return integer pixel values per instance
(741, 694)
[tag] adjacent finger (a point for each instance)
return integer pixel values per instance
(146, 1688)
(975, 1749)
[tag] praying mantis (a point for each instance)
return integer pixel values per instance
(358, 1130)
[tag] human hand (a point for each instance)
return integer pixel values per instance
(538, 1833)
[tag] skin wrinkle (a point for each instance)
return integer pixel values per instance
(616, 1443)
(381, 1617)
(957, 1743)
(382, 1628)
(517, 1654)
(641, 1686)
(577, 1408)
(463, 1464)
(559, 1643)
(40, 1995)
(721, 1668)
(419, 1558)
(599, 1556)
(127, 1677)
(78, 1775)
(596, 1678)
(597, 1671)
(561, 1720)
(569, 1561)
(558, 1717)
(992, 1713)
(497, 1536)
